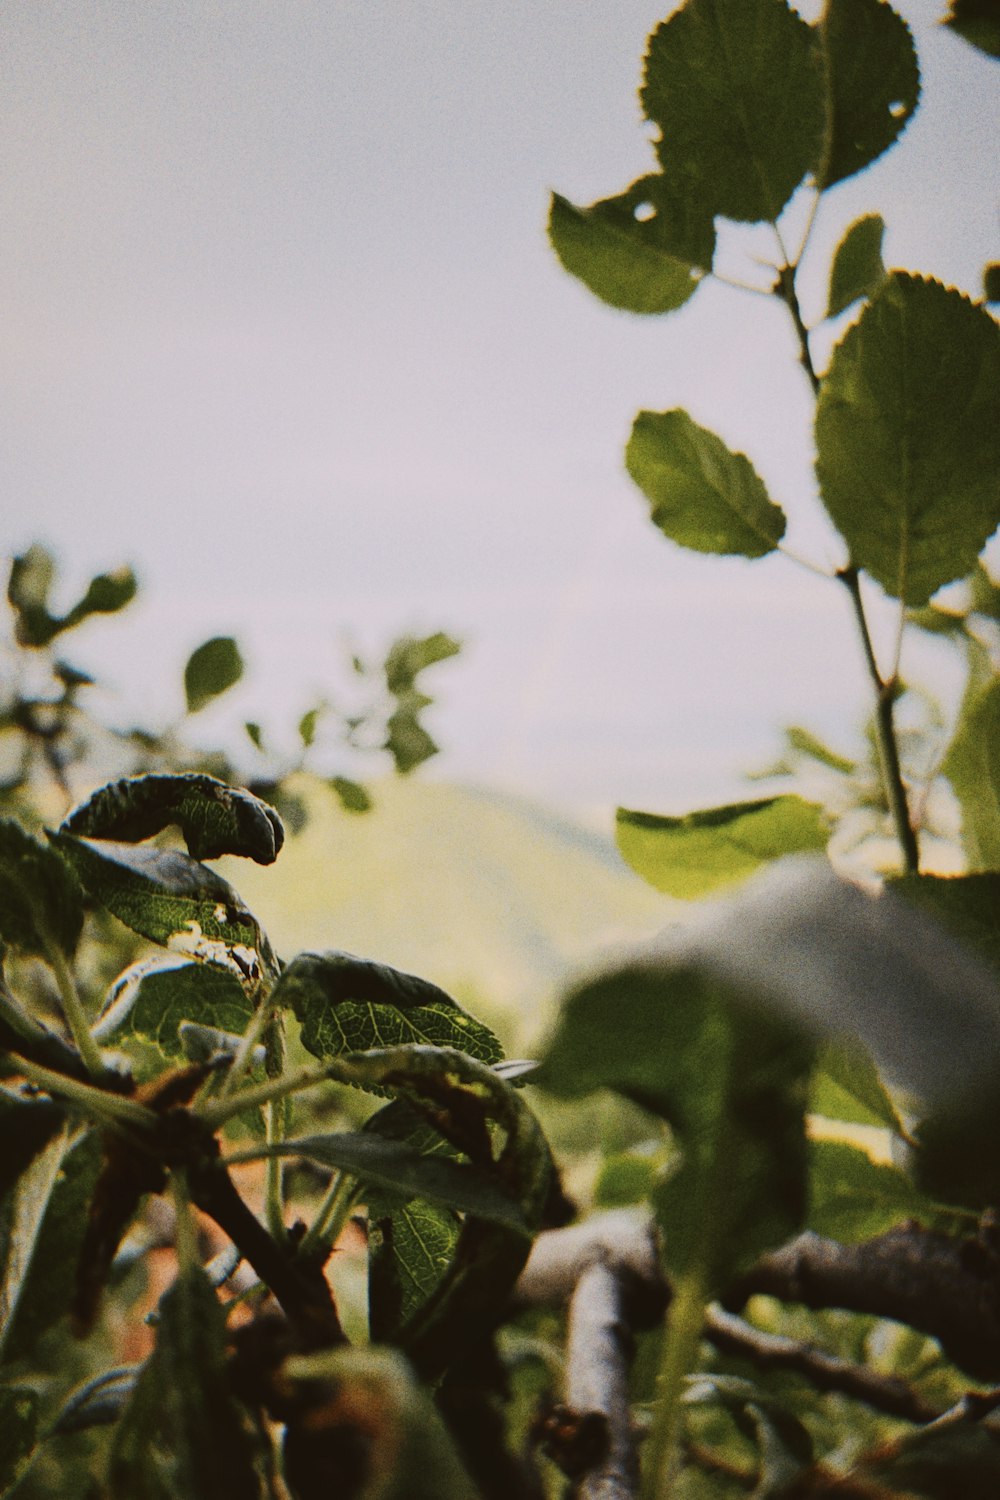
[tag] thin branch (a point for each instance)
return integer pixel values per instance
(892, 774)
(599, 1348)
(73, 1010)
(769, 1351)
(99, 1105)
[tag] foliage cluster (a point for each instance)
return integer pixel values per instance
(788, 1283)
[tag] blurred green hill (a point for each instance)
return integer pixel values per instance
(488, 896)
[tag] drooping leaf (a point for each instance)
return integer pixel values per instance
(406, 1454)
(397, 1167)
(349, 1004)
(18, 1430)
(42, 1228)
(804, 742)
(702, 494)
(857, 269)
(852, 1198)
(40, 902)
(153, 1001)
(729, 1078)
(214, 667)
(977, 22)
(873, 80)
(700, 852)
(214, 818)
(181, 1433)
(908, 436)
(972, 765)
(173, 900)
(846, 1086)
(352, 796)
(736, 88)
(642, 252)
(485, 1119)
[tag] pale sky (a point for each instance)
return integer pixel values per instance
(282, 330)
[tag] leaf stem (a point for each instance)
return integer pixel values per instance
(99, 1104)
(885, 690)
(76, 1018)
(216, 1112)
(680, 1351)
(276, 1117)
(244, 1052)
(786, 291)
(331, 1215)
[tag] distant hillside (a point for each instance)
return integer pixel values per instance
(481, 893)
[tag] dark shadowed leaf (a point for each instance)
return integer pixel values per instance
(407, 1453)
(736, 88)
(730, 1079)
(857, 269)
(181, 1433)
(991, 282)
(700, 852)
(348, 1004)
(394, 1166)
(937, 1463)
(967, 905)
(640, 252)
(212, 668)
(173, 900)
(783, 1444)
(972, 765)
(214, 818)
(153, 999)
(873, 79)
(908, 436)
(98, 1402)
(852, 1198)
(18, 1428)
(978, 22)
(40, 901)
(701, 493)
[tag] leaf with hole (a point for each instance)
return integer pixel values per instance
(873, 80)
(736, 87)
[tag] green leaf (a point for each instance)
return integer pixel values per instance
(18, 1430)
(736, 88)
(873, 81)
(40, 902)
(977, 22)
(31, 578)
(214, 818)
(703, 495)
(348, 1004)
(353, 797)
(804, 742)
(640, 252)
(307, 726)
(938, 1462)
(407, 741)
(972, 765)
(483, 1117)
(730, 1079)
(908, 436)
(173, 900)
(211, 669)
(254, 734)
(858, 270)
(394, 1166)
(846, 1086)
(182, 1433)
(154, 1002)
(783, 1444)
(985, 598)
(991, 282)
(967, 905)
(410, 655)
(700, 852)
(106, 595)
(404, 1454)
(851, 1198)
(42, 1228)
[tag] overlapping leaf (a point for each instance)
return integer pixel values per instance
(873, 81)
(214, 818)
(700, 852)
(857, 269)
(736, 87)
(908, 436)
(154, 1000)
(644, 251)
(40, 902)
(173, 900)
(853, 1198)
(972, 765)
(349, 1004)
(702, 494)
